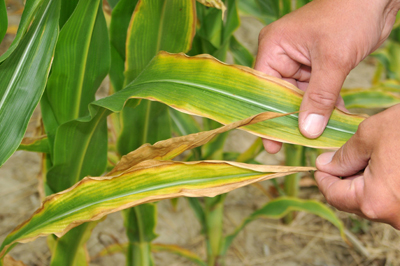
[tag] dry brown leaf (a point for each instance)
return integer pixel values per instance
(170, 148)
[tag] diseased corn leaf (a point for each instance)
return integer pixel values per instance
(170, 148)
(30, 10)
(120, 18)
(155, 25)
(214, 149)
(203, 86)
(10, 261)
(278, 208)
(214, 3)
(39, 144)
(3, 20)
(369, 98)
(184, 124)
(137, 181)
(151, 180)
(23, 77)
(155, 247)
(241, 55)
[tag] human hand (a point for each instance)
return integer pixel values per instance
(375, 148)
(316, 46)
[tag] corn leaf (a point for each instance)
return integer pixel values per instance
(80, 65)
(67, 8)
(23, 77)
(252, 8)
(369, 98)
(30, 10)
(214, 3)
(3, 20)
(159, 25)
(155, 247)
(39, 144)
(276, 209)
(241, 55)
(388, 57)
(120, 18)
(93, 198)
(205, 87)
(10, 261)
(139, 179)
(71, 249)
(140, 224)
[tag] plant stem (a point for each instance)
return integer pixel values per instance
(294, 157)
(214, 214)
(139, 254)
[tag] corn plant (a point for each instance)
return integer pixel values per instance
(64, 49)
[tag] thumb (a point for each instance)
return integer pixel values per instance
(350, 159)
(319, 100)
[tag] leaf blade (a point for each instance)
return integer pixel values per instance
(18, 73)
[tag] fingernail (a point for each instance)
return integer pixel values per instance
(325, 158)
(314, 124)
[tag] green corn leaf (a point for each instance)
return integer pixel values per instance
(252, 8)
(120, 18)
(83, 152)
(277, 209)
(80, 64)
(40, 144)
(219, 4)
(155, 247)
(150, 122)
(67, 8)
(231, 24)
(369, 98)
(388, 57)
(241, 55)
(138, 179)
(30, 10)
(24, 75)
(205, 87)
(3, 20)
(70, 249)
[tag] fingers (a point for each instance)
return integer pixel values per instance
(343, 194)
(351, 158)
(319, 100)
(272, 146)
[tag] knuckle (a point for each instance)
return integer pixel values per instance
(363, 133)
(322, 99)
(367, 209)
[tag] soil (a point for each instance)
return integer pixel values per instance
(309, 240)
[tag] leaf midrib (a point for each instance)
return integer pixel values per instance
(235, 96)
